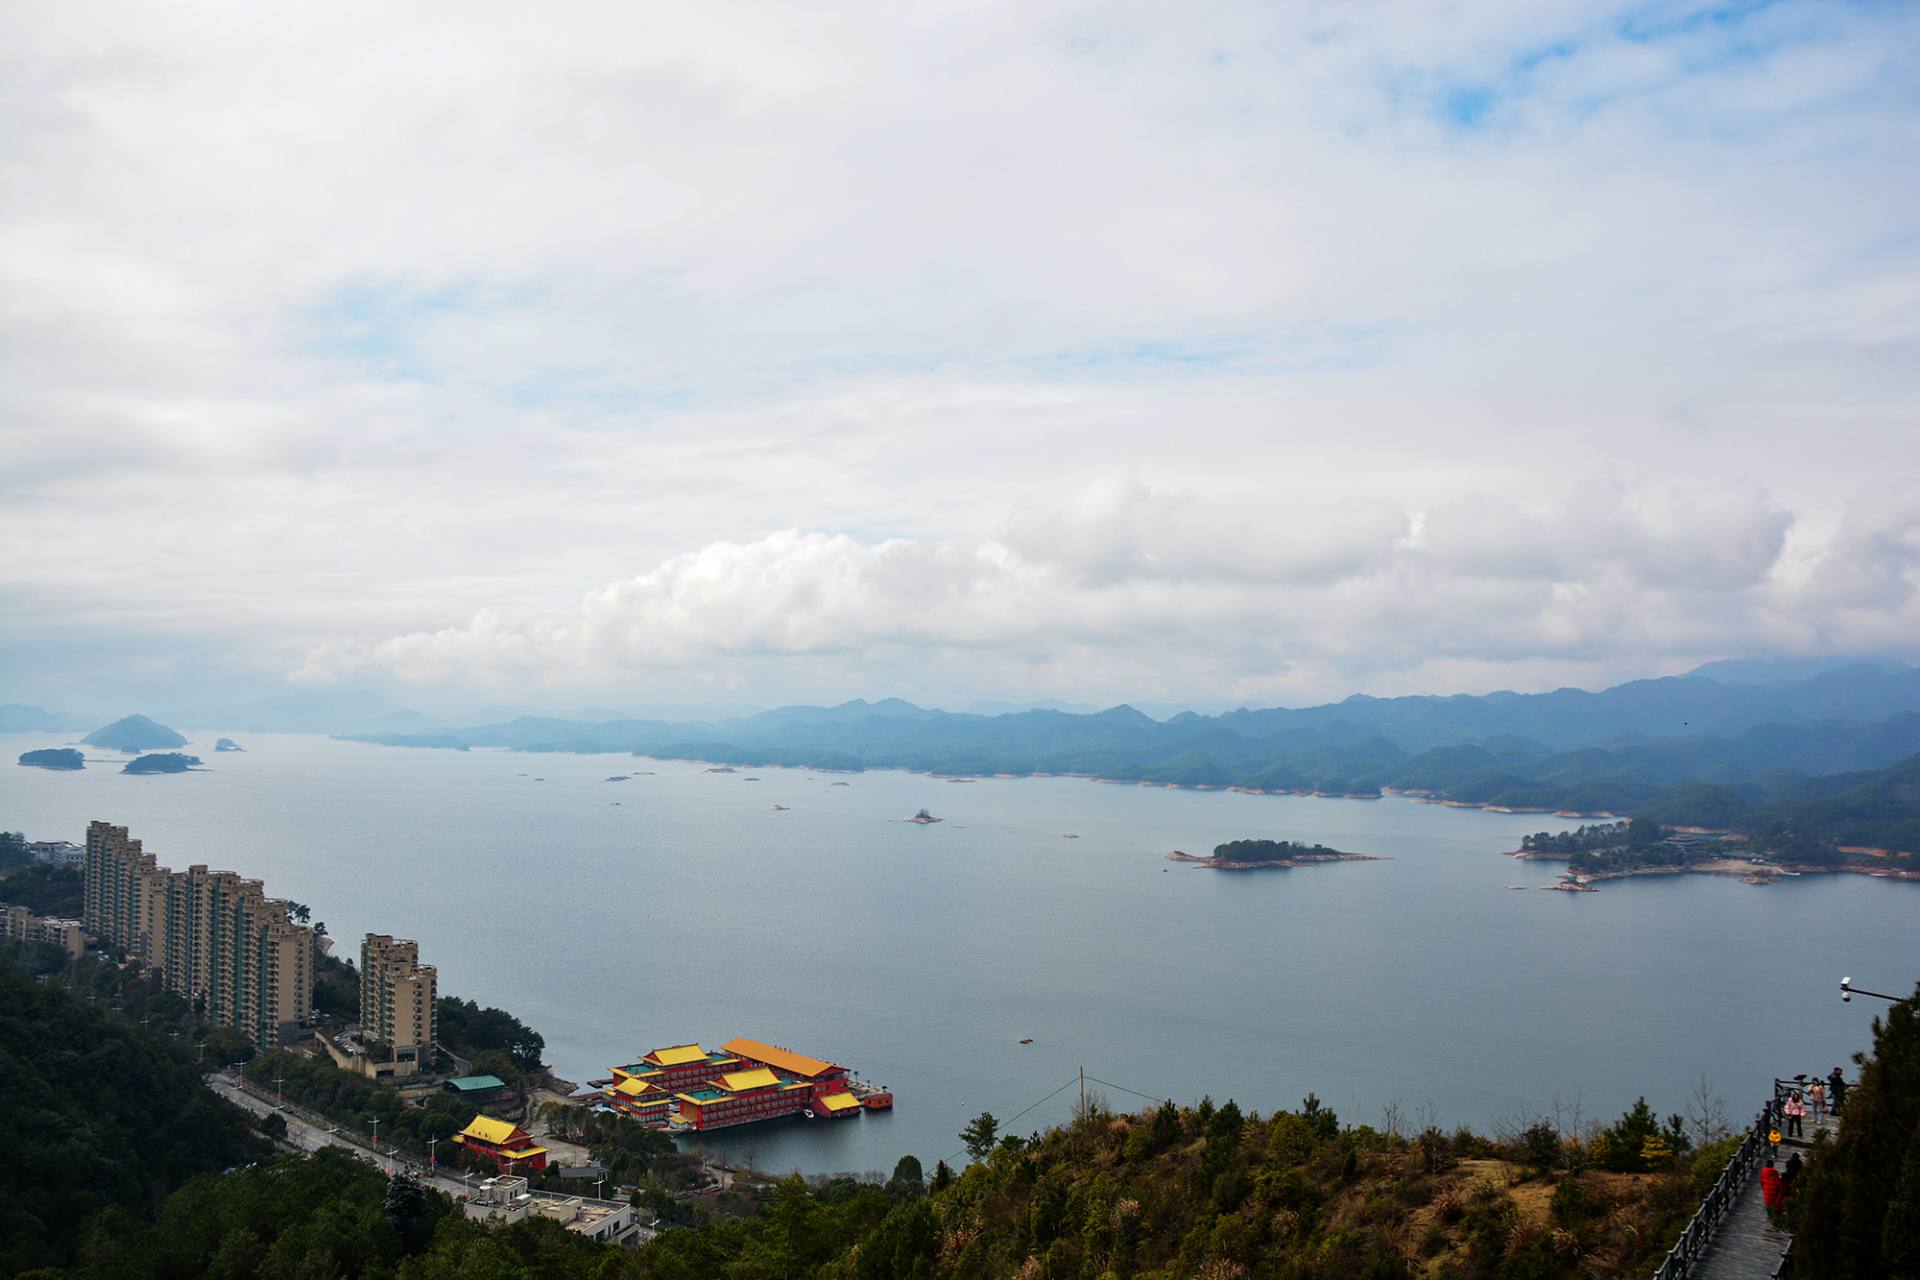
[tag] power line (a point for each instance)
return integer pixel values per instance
(1050, 1097)
(1150, 1097)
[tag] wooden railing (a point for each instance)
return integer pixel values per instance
(1719, 1202)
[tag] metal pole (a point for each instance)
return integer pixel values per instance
(1083, 1091)
(433, 1162)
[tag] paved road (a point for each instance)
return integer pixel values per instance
(311, 1134)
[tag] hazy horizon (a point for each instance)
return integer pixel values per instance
(727, 358)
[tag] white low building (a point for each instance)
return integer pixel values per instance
(57, 853)
(509, 1200)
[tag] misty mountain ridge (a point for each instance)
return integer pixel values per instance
(1569, 749)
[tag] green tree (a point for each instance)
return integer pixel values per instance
(1319, 1117)
(908, 1179)
(979, 1135)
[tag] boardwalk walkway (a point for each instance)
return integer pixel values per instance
(1746, 1246)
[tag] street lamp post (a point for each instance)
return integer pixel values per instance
(433, 1163)
(376, 1135)
(1848, 991)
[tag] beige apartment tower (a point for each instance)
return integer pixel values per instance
(396, 999)
(211, 936)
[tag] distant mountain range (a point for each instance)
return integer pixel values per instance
(17, 717)
(1729, 742)
(1736, 744)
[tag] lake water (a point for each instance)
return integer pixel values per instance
(620, 916)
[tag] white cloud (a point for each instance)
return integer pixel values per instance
(1269, 336)
(1129, 577)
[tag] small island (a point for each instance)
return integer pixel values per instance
(134, 733)
(227, 744)
(923, 818)
(53, 758)
(161, 762)
(1251, 855)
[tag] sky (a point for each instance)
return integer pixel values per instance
(729, 355)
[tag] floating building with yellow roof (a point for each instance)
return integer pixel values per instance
(685, 1086)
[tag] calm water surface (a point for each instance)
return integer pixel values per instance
(620, 916)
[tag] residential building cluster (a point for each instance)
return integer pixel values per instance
(213, 937)
(17, 924)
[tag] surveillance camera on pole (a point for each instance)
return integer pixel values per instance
(1848, 991)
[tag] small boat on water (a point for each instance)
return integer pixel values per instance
(880, 1101)
(1026, 1039)
(924, 818)
(780, 808)
(1070, 835)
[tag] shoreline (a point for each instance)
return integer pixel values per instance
(1748, 870)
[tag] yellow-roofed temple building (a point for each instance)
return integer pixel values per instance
(510, 1147)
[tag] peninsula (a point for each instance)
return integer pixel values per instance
(1616, 850)
(1252, 855)
(53, 758)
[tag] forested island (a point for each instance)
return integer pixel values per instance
(227, 744)
(1250, 855)
(53, 758)
(162, 762)
(134, 733)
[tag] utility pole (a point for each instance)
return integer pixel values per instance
(433, 1162)
(1083, 1091)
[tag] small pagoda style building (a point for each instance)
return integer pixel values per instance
(509, 1146)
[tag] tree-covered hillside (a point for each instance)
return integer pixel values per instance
(103, 1114)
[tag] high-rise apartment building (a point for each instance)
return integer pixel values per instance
(210, 936)
(396, 998)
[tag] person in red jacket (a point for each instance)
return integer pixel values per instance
(1770, 1188)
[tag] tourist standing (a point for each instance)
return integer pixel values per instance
(1795, 1111)
(1817, 1099)
(1836, 1091)
(1770, 1188)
